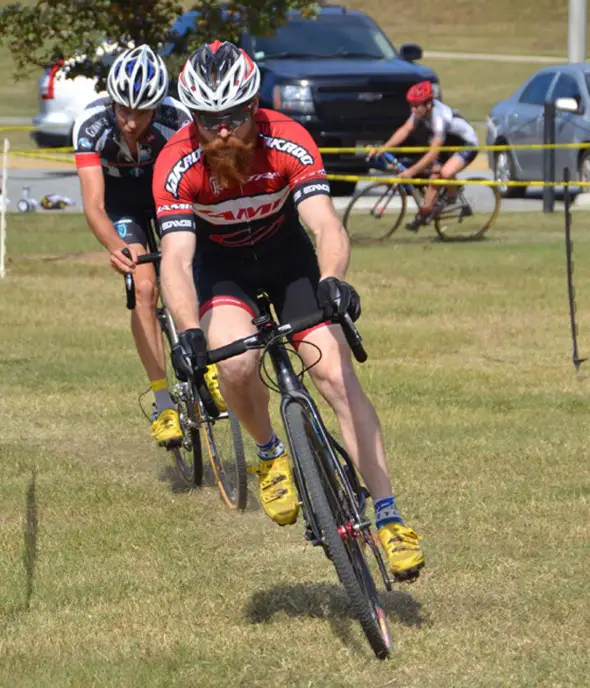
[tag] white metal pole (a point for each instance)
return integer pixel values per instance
(576, 41)
(3, 209)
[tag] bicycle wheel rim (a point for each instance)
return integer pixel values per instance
(225, 447)
(375, 213)
(189, 454)
(471, 216)
(374, 628)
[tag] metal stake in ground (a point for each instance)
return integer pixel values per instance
(569, 247)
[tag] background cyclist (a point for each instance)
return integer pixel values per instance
(443, 126)
(117, 139)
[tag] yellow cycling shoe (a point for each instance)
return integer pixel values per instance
(277, 491)
(402, 547)
(212, 380)
(166, 428)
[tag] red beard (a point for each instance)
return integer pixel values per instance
(229, 160)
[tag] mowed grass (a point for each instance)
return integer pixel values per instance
(111, 577)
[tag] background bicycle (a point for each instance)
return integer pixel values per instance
(200, 417)
(332, 498)
(460, 213)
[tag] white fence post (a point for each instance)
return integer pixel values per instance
(3, 209)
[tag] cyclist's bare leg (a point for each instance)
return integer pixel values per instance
(431, 191)
(239, 382)
(144, 324)
(337, 382)
(450, 170)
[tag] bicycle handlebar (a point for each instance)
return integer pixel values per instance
(241, 345)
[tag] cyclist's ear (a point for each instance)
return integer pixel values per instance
(255, 104)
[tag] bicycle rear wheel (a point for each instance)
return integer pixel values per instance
(471, 215)
(339, 538)
(225, 446)
(375, 213)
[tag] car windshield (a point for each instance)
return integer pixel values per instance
(327, 37)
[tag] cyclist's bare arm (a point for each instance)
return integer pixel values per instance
(332, 243)
(397, 138)
(176, 278)
(93, 190)
(427, 160)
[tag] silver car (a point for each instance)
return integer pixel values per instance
(520, 120)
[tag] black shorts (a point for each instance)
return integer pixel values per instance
(132, 224)
(289, 276)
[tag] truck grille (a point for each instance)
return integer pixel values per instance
(367, 101)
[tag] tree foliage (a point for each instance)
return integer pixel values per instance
(77, 31)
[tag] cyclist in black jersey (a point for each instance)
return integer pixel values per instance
(117, 140)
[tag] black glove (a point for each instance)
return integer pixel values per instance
(189, 356)
(337, 297)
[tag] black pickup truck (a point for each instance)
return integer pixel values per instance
(339, 76)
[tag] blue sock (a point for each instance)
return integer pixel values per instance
(271, 449)
(385, 512)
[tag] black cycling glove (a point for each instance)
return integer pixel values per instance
(189, 356)
(337, 297)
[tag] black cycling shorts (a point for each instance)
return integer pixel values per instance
(132, 224)
(289, 276)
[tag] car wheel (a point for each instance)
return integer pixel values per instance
(584, 170)
(342, 188)
(504, 172)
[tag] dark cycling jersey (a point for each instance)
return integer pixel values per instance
(249, 219)
(128, 176)
(98, 142)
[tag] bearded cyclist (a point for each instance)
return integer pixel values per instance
(231, 191)
(444, 127)
(117, 140)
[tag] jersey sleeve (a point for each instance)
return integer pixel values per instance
(171, 189)
(86, 136)
(439, 126)
(300, 161)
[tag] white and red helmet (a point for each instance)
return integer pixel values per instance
(218, 77)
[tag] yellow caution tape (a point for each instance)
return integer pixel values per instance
(457, 149)
(68, 160)
(446, 182)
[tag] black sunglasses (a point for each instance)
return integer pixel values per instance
(232, 119)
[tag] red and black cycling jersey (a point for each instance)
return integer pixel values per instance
(252, 217)
(99, 143)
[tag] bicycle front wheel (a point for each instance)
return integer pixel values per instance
(321, 498)
(225, 445)
(471, 215)
(375, 213)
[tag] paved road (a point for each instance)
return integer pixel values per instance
(65, 182)
(493, 57)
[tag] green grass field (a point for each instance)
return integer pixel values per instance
(111, 577)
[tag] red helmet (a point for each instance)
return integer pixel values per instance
(419, 93)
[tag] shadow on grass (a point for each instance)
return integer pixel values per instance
(30, 540)
(329, 601)
(171, 475)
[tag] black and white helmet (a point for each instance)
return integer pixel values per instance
(218, 77)
(138, 79)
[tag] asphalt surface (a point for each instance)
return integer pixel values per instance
(65, 182)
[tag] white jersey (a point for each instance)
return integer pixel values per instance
(443, 123)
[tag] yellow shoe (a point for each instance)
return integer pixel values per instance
(166, 428)
(212, 380)
(402, 547)
(277, 491)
